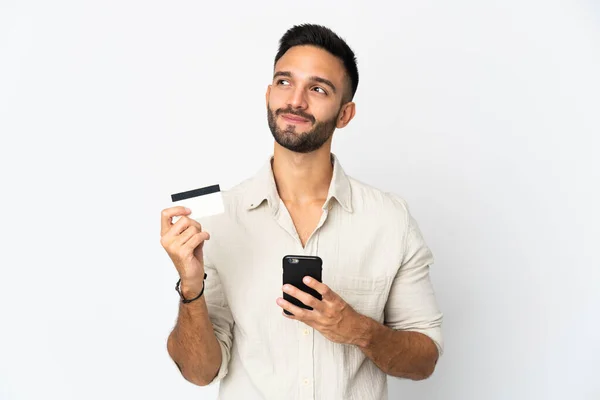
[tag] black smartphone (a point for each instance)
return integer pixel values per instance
(297, 267)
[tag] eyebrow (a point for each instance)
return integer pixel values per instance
(312, 78)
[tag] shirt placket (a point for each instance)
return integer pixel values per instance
(306, 334)
(306, 364)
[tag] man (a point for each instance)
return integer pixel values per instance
(378, 314)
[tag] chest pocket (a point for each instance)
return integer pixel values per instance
(366, 295)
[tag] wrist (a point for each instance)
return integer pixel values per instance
(190, 291)
(190, 286)
(365, 330)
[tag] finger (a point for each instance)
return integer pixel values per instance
(320, 287)
(306, 298)
(300, 314)
(170, 238)
(167, 214)
(184, 223)
(187, 233)
(195, 241)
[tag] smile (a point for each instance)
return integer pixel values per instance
(294, 119)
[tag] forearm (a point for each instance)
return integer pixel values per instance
(193, 345)
(402, 354)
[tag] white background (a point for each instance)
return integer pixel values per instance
(484, 116)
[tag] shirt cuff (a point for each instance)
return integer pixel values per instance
(223, 369)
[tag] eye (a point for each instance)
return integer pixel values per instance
(319, 90)
(283, 82)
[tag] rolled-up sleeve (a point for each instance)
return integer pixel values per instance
(412, 305)
(220, 316)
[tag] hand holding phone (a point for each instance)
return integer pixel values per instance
(295, 268)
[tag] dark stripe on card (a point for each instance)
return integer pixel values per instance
(195, 193)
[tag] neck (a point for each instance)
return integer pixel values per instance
(302, 179)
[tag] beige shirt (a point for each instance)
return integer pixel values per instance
(374, 257)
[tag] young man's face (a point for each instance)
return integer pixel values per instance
(305, 98)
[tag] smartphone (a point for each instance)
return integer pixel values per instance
(297, 267)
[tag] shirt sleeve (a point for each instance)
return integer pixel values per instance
(412, 304)
(219, 315)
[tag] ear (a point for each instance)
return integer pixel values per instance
(346, 114)
(268, 94)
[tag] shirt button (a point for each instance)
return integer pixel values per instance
(306, 332)
(305, 381)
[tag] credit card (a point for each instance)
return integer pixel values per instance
(203, 202)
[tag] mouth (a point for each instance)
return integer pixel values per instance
(294, 119)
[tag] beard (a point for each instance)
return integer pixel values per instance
(300, 142)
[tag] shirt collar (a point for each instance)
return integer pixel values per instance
(262, 187)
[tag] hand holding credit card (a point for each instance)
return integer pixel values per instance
(203, 202)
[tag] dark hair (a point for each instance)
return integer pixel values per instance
(326, 39)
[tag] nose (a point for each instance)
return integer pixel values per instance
(297, 99)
